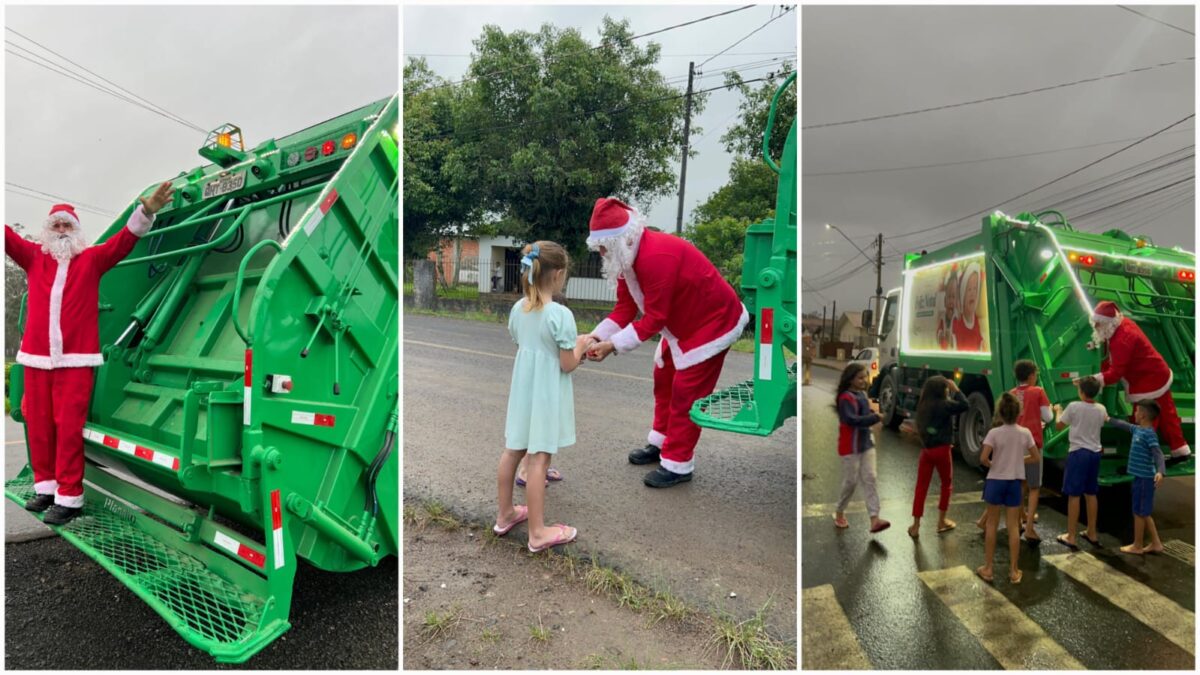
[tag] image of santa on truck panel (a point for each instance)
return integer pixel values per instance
(951, 309)
(1134, 362)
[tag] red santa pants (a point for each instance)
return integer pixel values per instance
(1170, 428)
(55, 408)
(674, 393)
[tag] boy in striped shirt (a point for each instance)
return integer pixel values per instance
(1146, 465)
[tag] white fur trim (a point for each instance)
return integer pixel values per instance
(1100, 378)
(1149, 395)
(635, 290)
(626, 339)
(1107, 320)
(63, 361)
(1181, 451)
(45, 487)
(606, 329)
(597, 236)
(139, 222)
(677, 467)
(73, 502)
(656, 439)
(34, 361)
(64, 217)
(704, 352)
(658, 352)
(56, 293)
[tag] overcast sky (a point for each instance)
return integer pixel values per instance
(444, 34)
(270, 70)
(866, 61)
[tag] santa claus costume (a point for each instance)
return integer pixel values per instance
(1134, 362)
(61, 345)
(683, 298)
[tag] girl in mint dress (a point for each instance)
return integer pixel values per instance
(541, 398)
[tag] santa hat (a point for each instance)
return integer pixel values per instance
(1105, 313)
(62, 213)
(610, 218)
(968, 269)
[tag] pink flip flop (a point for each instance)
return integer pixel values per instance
(566, 535)
(522, 516)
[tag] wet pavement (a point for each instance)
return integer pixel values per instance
(917, 604)
(732, 529)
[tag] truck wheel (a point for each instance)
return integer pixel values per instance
(973, 426)
(889, 408)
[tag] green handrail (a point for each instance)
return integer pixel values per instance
(237, 286)
(771, 123)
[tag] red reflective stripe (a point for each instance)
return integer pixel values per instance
(276, 513)
(111, 442)
(248, 356)
(144, 453)
(257, 559)
(329, 200)
(175, 464)
(768, 325)
(323, 420)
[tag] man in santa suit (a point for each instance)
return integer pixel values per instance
(61, 344)
(1133, 361)
(683, 298)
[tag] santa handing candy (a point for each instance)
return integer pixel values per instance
(683, 298)
(1133, 361)
(61, 344)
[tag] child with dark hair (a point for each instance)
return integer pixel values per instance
(856, 446)
(1007, 449)
(1082, 475)
(940, 402)
(1147, 466)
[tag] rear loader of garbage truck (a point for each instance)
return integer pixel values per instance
(1034, 281)
(245, 416)
(760, 405)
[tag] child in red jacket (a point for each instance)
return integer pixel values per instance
(856, 446)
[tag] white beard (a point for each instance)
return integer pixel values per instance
(1102, 332)
(63, 247)
(620, 252)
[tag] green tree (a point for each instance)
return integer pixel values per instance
(555, 122)
(721, 240)
(14, 289)
(745, 138)
(749, 194)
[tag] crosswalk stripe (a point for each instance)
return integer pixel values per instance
(829, 643)
(1180, 550)
(857, 505)
(1010, 636)
(1141, 602)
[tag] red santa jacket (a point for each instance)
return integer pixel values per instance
(681, 295)
(1133, 361)
(68, 289)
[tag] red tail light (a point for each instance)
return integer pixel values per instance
(328, 147)
(1187, 275)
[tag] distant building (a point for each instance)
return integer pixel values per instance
(850, 329)
(482, 255)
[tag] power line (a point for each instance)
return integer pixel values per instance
(664, 56)
(681, 25)
(1135, 197)
(996, 98)
(1147, 16)
(39, 195)
(982, 159)
(78, 65)
(773, 19)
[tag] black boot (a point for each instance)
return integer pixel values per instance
(660, 478)
(39, 503)
(60, 515)
(646, 455)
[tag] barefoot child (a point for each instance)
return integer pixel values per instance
(1081, 477)
(541, 400)
(856, 446)
(940, 402)
(1147, 466)
(1007, 449)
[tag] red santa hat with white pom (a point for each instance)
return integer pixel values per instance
(610, 218)
(62, 213)
(1106, 313)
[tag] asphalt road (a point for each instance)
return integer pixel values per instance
(54, 595)
(732, 529)
(886, 601)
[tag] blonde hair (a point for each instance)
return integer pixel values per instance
(550, 257)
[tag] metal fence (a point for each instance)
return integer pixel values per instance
(504, 276)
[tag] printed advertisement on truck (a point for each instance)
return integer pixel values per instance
(949, 310)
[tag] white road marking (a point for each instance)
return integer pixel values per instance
(1156, 611)
(829, 641)
(1010, 636)
(584, 368)
(858, 505)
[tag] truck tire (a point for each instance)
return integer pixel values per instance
(973, 426)
(889, 402)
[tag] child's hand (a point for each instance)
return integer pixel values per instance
(1157, 478)
(584, 342)
(1057, 410)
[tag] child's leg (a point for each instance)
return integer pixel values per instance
(924, 477)
(1093, 509)
(509, 459)
(1014, 538)
(945, 470)
(1072, 518)
(989, 538)
(1139, 528)
(866, 476)
(1032, 512)
(535, 498)
(1156, 544)
(849, 482)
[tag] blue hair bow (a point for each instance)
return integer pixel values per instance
(527, 261)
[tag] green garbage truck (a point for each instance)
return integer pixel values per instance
(761, 404)
(245, 417)
(1024, 287)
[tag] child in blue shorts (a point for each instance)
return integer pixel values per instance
(1007, 448)
(1082, 476)
(1147, 466)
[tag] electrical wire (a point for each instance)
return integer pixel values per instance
(1135, 197)
(1147, 16)
(770, 21)
(38, 194)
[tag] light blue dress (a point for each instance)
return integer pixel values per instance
(541, 398)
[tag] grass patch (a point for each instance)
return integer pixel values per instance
(668, 607)
(748, 645)
(431, 512)
(411, 515)
(437, 625)
(490, 635)
(539, 633)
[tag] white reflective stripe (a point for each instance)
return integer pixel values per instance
(226, 542)
(764, 362)
(277, 542)
(313, 222)
(93, 436)
(165, 460)
(303, 417)
(1158, 612)
(829, 641)
(126, 446)
(246, 407)
(1010, 636)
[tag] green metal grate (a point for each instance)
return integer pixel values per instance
(189, 596)
(726, 404)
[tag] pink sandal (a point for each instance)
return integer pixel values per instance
(522, 516)
(566, 535)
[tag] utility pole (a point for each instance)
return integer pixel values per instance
(833, 323)
(687, 126)
(878, 320)
(824, 335)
